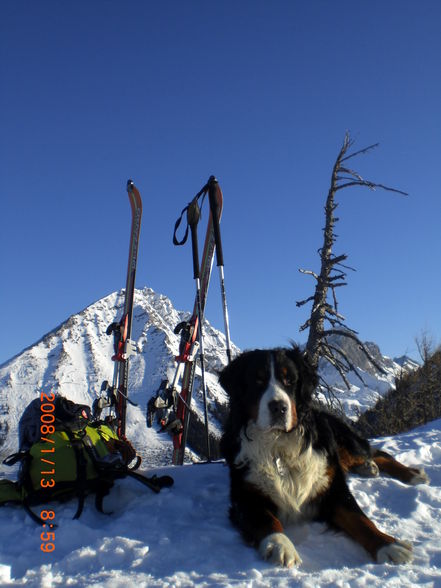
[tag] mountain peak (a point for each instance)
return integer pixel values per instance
(75, 358)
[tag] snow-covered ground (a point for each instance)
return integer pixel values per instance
(182, 536)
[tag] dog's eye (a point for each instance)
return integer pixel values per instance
(260, 380)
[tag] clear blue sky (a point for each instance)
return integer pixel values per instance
(259, 94)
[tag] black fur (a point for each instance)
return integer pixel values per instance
(335, 447)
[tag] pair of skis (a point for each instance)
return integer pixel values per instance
(175, 404)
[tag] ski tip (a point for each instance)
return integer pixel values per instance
(212, 179)
(130, 185)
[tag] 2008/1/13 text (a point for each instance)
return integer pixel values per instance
(47, 427)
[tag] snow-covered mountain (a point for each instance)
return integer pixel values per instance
(368, 384)
(75, 358)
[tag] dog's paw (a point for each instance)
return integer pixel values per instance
(278, 549)
(419, 477)
(398, 552)
(368, 469)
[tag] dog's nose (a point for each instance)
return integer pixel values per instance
(277, 408)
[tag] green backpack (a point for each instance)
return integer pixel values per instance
(66, 455)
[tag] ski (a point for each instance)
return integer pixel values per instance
(117, 393)
(190, 339)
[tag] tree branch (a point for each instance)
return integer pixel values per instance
(348, 267)
(330, 359)
(338, 259)
(300, 303)
(340, 276)
(357, 340)
(361, 151)
(371, 186)
(305, 325)
(331, 398)
(333, 312)
(352, 173)
(350, 366)
(309, 273)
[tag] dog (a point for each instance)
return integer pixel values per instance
(288, 458)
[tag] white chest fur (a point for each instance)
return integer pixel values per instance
(278, 467)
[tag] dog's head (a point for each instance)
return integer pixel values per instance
(269, 387)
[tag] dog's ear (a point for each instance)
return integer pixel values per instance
(231, 376)
(307, 374)
(237, 379)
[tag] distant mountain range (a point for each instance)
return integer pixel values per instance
(75, 357)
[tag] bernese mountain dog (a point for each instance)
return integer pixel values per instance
(288, 458)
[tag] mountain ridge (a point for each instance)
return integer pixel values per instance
(75, 357)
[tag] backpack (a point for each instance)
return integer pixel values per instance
(63, 453)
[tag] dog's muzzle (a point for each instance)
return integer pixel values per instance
(278, 411)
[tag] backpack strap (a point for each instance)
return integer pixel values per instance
(103, 488)
(81, 477)
(34, 516)
(136, 465)
(12, 492)
(15, 457)
(155, 483)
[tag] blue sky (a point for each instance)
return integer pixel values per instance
(259, 94)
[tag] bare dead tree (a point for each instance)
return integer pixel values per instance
(325, 319)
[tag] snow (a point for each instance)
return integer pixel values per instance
(182, 536)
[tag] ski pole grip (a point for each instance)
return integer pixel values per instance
(193, 215)
(213, 187)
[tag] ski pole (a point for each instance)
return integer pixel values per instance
(193, 216)
(213, 187)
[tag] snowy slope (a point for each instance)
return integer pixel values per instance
(182, 536)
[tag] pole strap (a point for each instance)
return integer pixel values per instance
(193, 215)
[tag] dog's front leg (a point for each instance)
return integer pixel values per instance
(255, 516)
(279, 549)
